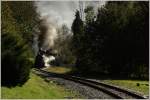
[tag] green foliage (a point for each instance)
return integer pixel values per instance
(89, 14)
(126, 46)
(26, 18)
(80, 43)
(116, 42)
(37, 88)
(16, 51)
(63, 46)
(143, 87)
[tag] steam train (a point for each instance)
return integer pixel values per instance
(45, 58)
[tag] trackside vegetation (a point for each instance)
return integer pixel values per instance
(19, 21)
(139, 86)
(37, 88)
(114, 41)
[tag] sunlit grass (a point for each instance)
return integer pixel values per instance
(37, 88)
(60, 70)
(143, 87)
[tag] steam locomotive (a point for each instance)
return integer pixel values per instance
(44, 58)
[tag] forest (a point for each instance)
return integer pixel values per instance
(113, 42)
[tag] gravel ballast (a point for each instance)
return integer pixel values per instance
(85, 91)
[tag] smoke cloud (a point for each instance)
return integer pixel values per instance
(56, 13)
(48, 33)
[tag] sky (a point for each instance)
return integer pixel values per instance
(62, 12)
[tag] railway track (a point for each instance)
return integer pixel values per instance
(114, 91)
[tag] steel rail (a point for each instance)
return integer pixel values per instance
(108, 89)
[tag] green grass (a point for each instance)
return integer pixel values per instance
(37, 88)
(132, 85)
(60, 69)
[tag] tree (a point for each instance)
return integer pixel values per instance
(124, 48)
(115, 42)
(26, 17)
(63, 47)
(78, 44)
(16, 52)
(89, 11)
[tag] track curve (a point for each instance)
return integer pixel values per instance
(114, 91)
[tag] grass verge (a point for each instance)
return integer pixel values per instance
(37, 88)
(135, 85)
(60, 69)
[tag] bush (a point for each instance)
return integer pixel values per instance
(16, 48)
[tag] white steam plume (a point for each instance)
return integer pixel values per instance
(48, 33)
(56, 13)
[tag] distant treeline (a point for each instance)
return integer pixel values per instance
(115, 41)
(19, 21)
